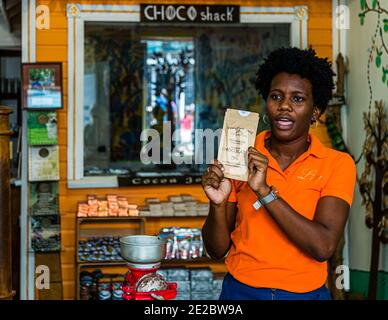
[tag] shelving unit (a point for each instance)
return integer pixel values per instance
(104, 226)
(97, 227)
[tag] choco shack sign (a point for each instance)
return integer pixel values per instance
(182, 13)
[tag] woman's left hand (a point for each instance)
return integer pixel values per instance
(257, 175)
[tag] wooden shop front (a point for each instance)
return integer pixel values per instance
(110, 57)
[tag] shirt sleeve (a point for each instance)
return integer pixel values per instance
(233, 194)
(342, 180)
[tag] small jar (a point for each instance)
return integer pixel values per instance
(104, 295)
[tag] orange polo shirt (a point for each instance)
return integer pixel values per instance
(261, 255)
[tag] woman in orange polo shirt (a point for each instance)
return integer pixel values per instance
(280, 227)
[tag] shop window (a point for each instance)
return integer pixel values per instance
(138, 77)
(125, 76)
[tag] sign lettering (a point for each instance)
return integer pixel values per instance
(179, 13)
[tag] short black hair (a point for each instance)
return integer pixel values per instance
(306, 64)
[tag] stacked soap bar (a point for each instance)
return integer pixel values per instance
(176, 205)
(111, 206)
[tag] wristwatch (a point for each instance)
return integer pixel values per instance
(271, 196)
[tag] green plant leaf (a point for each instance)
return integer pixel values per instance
(374, 4)
(384, 77)
(378, 61)
(361, 19)
(385, 25)
(363, 4)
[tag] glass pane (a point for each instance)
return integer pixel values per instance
(141, 77)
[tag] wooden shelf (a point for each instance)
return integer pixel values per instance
(197, 260)
(101, 263)
(134, 218)
(80, 220)
(86, 224)
(169, 217)
(164, 262)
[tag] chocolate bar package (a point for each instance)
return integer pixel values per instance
(238, 134)
(46, 233)
(43, 198)
(43, 163)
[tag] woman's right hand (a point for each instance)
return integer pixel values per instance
(215, 185)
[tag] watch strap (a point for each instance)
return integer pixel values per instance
(269, 198)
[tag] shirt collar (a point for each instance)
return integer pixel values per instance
(316, 148)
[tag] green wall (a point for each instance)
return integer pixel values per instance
(359, 281)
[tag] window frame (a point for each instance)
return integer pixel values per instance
(79, 14)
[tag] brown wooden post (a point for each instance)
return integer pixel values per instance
(5, 208)
(334, 111)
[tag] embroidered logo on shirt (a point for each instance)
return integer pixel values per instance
(309, 175)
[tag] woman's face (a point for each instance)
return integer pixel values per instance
(290, 106)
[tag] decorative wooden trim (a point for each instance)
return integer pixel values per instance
(27, 258)
(70, 100)
(25, 31)
(79, 98)
(94, 182)
(301, 15)
(32, 50)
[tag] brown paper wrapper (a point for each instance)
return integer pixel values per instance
(238, 134)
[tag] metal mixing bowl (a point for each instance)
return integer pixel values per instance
(143, 249)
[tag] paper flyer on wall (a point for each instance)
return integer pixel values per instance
(238, 134)
(43, 163)
(46, 233)
(42, 128)
(43, 198)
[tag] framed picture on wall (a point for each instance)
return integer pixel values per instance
(42, 85)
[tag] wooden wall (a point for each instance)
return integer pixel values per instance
(51, 45)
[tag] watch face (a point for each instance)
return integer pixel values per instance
(257, 205)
